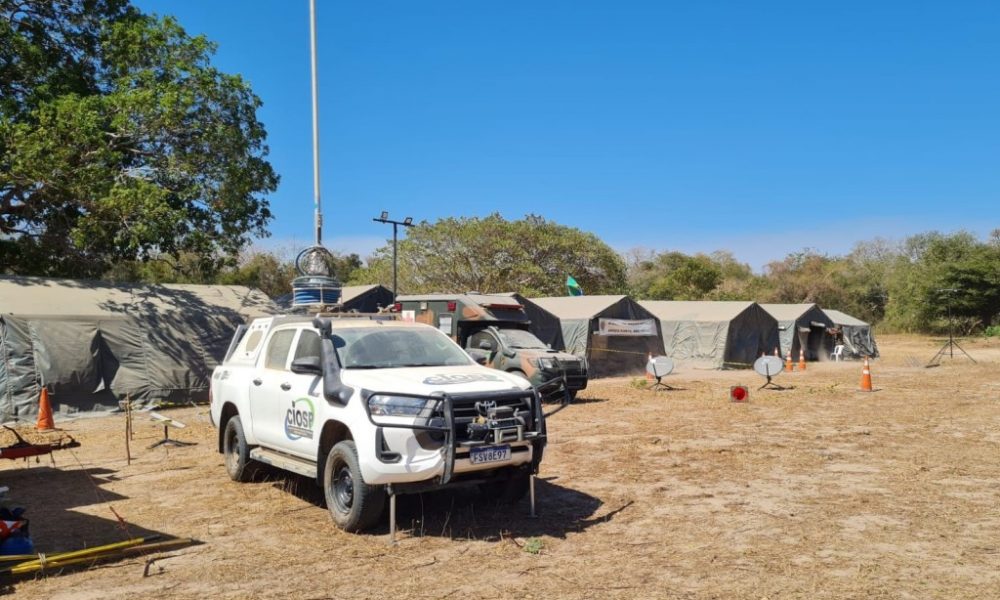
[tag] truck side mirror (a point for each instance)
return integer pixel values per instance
(307, 365)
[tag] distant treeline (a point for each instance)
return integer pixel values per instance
(903, 286)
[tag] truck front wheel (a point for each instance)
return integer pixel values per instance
(353, 504)
(236, 451)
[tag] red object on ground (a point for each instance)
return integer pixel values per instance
(739, 393)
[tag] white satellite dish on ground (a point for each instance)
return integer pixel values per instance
(769, 367)
(659, 367)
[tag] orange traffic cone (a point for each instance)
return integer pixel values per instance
(649, 359)
(45, 421)
(866, 377)
(789, 365)
(802, 360)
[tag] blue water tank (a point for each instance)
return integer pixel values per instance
(315, 289)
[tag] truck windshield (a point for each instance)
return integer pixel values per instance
(519, 338)
(370, 348)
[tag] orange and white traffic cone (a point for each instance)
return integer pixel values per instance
(649, 359)
(866, 377)
(45, 421)
(802, 360)
(789, 365)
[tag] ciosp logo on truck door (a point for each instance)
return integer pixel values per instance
(299, 419)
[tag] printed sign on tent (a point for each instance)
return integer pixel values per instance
(635, 327)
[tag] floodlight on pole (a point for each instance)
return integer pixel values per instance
(407, 222)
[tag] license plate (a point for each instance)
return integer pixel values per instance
(488, 454)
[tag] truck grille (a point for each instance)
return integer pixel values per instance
(572, 367)
(464, 411)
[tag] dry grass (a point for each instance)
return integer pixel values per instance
(815, 492)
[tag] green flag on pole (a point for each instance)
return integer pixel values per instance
(572, 287)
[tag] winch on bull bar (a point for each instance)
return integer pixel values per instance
(503, 423)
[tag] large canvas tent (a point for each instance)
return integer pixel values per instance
(855, 334)
(714, 334)
(544, 324)
(803, 327)
(614, 333)
(92, 343)
(353, 298)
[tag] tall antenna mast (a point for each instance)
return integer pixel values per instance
(315, 287)
(315, 107)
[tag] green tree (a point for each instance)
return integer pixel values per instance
(675, 276)
(264, 271)
(739, 282)
(532, 256)
(808, 276)
(119, 141)
(932, 264)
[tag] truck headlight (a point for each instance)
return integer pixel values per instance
(546, 363)
(400, 406)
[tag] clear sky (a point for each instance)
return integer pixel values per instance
(757, 127)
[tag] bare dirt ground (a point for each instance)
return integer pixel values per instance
(819, 491)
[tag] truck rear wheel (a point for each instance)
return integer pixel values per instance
(239, 465)
(353, 504)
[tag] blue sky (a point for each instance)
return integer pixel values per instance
(756, 127)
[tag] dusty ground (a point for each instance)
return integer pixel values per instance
(818, 492)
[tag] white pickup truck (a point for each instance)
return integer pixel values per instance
(371, 408)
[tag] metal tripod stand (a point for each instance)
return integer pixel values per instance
(949, 346)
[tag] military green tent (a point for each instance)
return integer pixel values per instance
(714, 334)
(614, 333)
(855, 334)
(803, 327)
(92, 343)
(544, 324)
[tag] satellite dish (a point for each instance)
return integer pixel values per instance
(769, 366)
(659, 367)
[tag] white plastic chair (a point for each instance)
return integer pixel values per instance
(838, 352)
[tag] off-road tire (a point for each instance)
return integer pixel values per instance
(353, 504)
(236, 452)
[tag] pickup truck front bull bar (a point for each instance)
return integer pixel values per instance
(444, 410)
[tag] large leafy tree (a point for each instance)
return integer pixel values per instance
(491, 254)
(934, 271)
(119, 141)
(675, 276)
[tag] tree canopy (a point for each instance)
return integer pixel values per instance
(531, 255)
(119, 141)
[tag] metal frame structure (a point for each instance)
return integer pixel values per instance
(445, 407)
